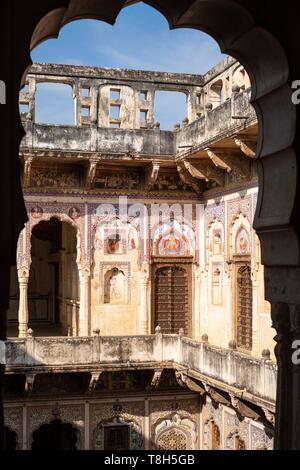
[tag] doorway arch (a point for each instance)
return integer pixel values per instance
(53, 289)
(11, 439)
(56, 435)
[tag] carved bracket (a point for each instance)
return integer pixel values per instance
(188, 382)
(150, 175)
(207, 171)
(188, 178)
(95, 377)
(29, 382)
(91, 173)
(247, 146)
(244, 409)
(156, 378)
(229, 162)
(269, 416)
(27, 172)
(218, 161)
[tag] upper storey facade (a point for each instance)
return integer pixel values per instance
(120, 98)
(115, 129)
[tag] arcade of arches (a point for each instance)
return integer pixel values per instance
(123, 276)
(51, 289)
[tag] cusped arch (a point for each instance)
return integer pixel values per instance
(213, 228)
(136, 441)
(46, 426)
(240, 226)
(61, 217)
(265, 62)
(235, 31)
(175, 432)
(173, 239)
(114, 225)
(115, 286)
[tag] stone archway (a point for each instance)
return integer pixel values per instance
(53, 288)
(11, 439)
(233, 25)
(56, 436)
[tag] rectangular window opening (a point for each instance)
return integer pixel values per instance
(115, 93)
(85, 92)
(114, 111)
(85, 112)
(143, 116)
(24, 108)
(25, 88)
(143, 95)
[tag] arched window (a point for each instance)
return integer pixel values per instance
(57, 436)
(217, 243)
(217, 287)
(240, 78)
(216, 95)
(114, 287)
(244, 308)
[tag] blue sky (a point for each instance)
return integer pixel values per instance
(140, 39)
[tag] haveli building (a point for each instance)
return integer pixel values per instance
(137, 315)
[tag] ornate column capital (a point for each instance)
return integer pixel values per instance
(280, 314)
(84, 271)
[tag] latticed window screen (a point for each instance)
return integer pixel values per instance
(171, 299)
(172, 440)
(244, 308)
(116, 437)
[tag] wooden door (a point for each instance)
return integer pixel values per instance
(244, 308)
(172, 299)
(116, 437)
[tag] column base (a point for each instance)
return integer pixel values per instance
(143, 328)
(23, 329)
(82, 329)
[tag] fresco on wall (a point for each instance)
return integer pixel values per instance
(55, 178)
(173, 239)
(242, 245)
(114, 242)
(36, 212)
(74, 213)
(169, 245)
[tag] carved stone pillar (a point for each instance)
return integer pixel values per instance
(63, 304)
(23, 314)
(295, 360)
(84, 296)
(280, 318)
(143, 301)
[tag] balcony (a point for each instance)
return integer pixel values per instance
(228, 370)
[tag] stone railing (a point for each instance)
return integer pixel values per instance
(225, 368)
(225, 120)
(137, 142)
(229, 118)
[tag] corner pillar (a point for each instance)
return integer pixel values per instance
(23, 313)
(143, 301)
(84, 296)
